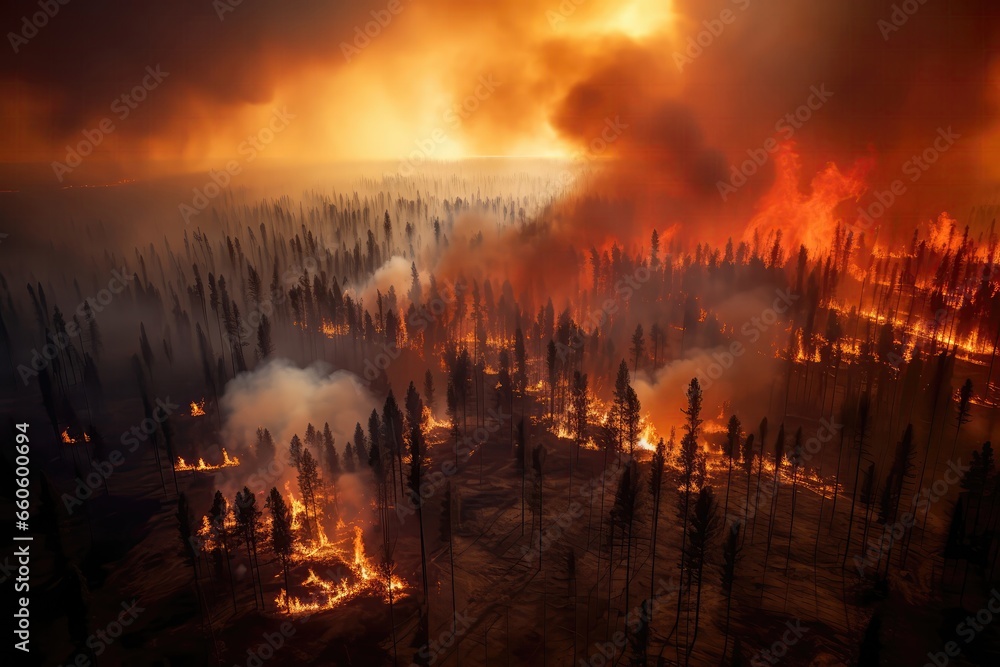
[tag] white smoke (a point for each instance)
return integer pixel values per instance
(395, 272)
(284, 399)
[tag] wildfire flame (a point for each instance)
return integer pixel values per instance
(227, 462)
(67, 439)
(325, 594)
(198, 409)
(331, 330)
(807, 218)
(433, 422)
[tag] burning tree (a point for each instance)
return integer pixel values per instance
(310, 486)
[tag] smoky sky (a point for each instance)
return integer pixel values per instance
(894, 79)
(90, 52)
(897, 71)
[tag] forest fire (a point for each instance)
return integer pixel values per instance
(625, 328)
(315, 550)
(506, 401)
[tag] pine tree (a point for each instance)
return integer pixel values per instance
(861, 438)
(414, 410)
(265, 446)
(295, 452)
(656, 336)
(520, 362)
(96, 340)
(537, 461)
(730, 555)
(147, 351)
(394, 436)
(360, 449)
(220, 533)
(188, 554)
(520, 457)
(623, 514)
(734, 435)
(349, 458)
(282, 541)
(446, 536)
(690, 463)
(248, 523)
(638, 346)
(638, 635)
(414, 407)
(310, 485)
(265, 343)
(631, 419)
(332, 458)
(421, 638)
(184, 526)
(656, 468)
(979, 479)
(748, 468)
(704, 526)
(429, 389)
(962, 412)
(779, 457)
(452, 407)
(619, 413)
(796, 460)
(552, 365)
(579, 410)
(763, 429)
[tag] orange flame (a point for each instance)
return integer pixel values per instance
(326, 594)
(227, 462)
(808, 219)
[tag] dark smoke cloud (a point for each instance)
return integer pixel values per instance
(89, 53)
(890, 96)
